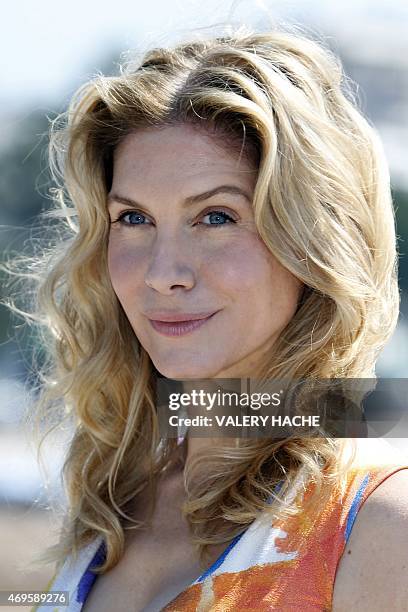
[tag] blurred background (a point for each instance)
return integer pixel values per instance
(48, 49)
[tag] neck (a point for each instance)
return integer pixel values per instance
(202, 438)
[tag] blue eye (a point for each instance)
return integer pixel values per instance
(136, 216)
(217, 215)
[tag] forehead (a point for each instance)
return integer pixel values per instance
(179, 149)
(184, 142)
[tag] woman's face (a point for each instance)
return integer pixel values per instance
(187, 248)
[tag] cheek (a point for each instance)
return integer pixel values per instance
(249, 272)
(123, 267)
(238, 265)
(241, 268)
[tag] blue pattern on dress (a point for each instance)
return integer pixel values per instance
(89, 577)
(231, 545)
(86, 583)
(355, 507)
(220, 559)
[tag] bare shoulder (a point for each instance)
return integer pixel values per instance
(372, 575)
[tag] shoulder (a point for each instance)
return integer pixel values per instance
(373, 570)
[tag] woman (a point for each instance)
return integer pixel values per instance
(229, 215)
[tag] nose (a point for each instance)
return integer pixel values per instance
(170, 266)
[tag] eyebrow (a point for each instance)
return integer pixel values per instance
(232, 189)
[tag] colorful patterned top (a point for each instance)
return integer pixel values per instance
(288, 565)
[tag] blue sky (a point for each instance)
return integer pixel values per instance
(49, 48)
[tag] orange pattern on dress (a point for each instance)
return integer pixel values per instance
(301, 584)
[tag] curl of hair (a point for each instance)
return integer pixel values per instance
(322, 206)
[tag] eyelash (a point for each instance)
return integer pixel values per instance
(120, 218)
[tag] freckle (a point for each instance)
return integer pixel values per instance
(349, 552)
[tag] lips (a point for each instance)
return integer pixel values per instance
(179, 324)
(176, 317)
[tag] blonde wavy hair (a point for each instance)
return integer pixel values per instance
(323, 207)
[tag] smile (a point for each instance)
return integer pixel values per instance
(179, 328)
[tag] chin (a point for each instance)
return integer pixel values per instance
(185, 372)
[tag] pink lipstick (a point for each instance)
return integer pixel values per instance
(179, 324)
